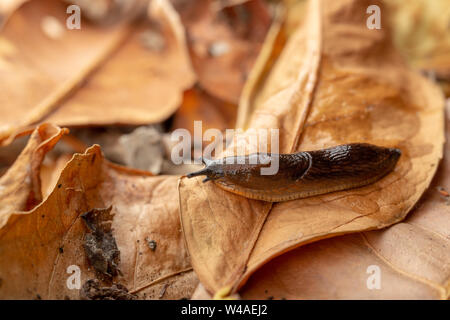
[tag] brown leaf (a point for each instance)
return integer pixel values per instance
(43, 65)
(386, 111)
(20, 186)
(7, 7)
(335, 82)
(413, 257)
(220, 230)
(141, 83)
(42, 243)
(268, 55)
(224, 42)
(50, 171)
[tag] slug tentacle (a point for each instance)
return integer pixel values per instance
(302, 174)
(203, 172)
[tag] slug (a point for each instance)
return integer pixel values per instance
(302, 174)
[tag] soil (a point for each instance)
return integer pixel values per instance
(91, 290)
(100, 245)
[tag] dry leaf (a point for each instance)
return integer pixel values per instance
(40, 70)
(20, 186)
(224, 43)
(50, 171)
(420, 32)
(389, 109)
(413, 257)
(269, 53)
(335, 82)
(7, 7)
(322, 80)
(40, 245)
(220, 231)
(141, 83)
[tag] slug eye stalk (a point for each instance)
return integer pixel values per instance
(204, 172)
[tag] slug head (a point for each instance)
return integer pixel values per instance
(212, 171)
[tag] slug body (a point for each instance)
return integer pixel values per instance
(302, 174)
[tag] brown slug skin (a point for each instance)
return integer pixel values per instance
(303, 174)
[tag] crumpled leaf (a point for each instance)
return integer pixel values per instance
(20, 186)
(34, 60)
(413, 257)
(142, 83)
(50, 171)
(335, 82)
(224, 42)
(42, 243)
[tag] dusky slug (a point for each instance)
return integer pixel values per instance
(302, 174)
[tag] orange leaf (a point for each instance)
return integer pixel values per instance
(335, 82)
(413, 257)
(43, 66)
(141, 83)
(20, 186)
(43, 243)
